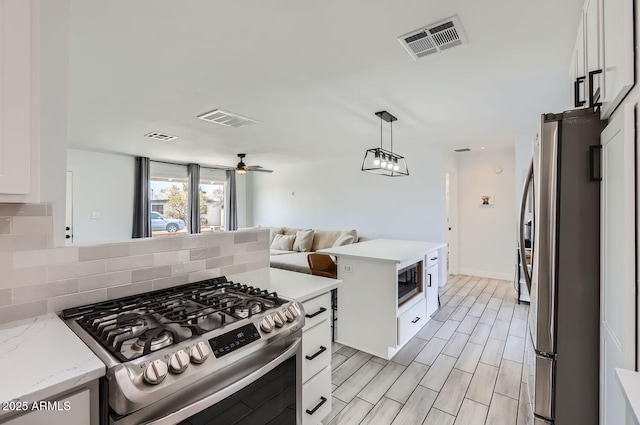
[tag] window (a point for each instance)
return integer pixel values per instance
(212, 196)
(169, 185)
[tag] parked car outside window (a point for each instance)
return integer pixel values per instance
(160, 222)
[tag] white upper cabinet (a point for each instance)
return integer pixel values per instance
(18, 97)
(578, 71)
(617, 49)
(602, 65)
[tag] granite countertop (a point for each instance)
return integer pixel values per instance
(630, 383)
(385, 249)
(42, 357)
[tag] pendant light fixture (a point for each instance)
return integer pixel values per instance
(382, 161)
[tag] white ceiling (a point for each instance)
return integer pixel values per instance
(311, 73)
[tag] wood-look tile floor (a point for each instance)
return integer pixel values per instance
(464, 367)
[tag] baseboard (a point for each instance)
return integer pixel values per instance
(487, 274)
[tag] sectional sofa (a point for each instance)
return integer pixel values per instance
(290, 246)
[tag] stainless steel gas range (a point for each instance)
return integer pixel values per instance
(192, 353)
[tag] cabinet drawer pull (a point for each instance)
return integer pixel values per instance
(320, 351)
(319, 405)
(415, 320)
(322, 310)
(434, 258)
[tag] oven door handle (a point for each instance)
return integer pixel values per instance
(190, 410)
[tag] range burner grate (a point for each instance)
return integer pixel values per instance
(135, 326)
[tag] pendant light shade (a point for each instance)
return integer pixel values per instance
(382, 161)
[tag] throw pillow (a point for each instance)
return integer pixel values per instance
(344, 239)
(304, 240)
(283, 242)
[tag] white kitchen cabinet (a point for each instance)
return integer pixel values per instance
(617, 262)
(70, 409)
(316, 360)
(604, 48)
(578, 70)
(18, 98)
(617, 52)
(432, 283)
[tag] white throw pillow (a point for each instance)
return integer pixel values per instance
(344, 239)
(304, 240)
(283, 242)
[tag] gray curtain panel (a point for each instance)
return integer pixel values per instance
(193, 209)
(141, 201)
(231, 213)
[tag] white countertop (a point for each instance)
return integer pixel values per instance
(630, 383)
(299, 286)
(42, 357)
(385, 249)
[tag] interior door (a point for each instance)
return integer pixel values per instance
(617, 256)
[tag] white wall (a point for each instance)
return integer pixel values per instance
(487, 240)
(524, 154)
(336, 194)
(102, 183)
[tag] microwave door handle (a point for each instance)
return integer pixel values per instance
(523, 204)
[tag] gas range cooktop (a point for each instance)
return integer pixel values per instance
(160, 343)
(135, 326)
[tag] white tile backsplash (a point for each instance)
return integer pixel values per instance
(35, 280)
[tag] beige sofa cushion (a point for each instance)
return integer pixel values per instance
(344, 239)
(283, 242)
(323, 239)
(273, 231)
(304, 240)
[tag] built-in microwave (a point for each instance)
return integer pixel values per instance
(409, 282)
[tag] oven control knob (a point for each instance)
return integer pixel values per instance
(267, 324)
(280, 319)
(156, 372)
(200, 352)
(292, 312)
(179, 362)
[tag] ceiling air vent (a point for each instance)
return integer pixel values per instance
(229, 119)
(434, 38)
(462, 150)
(160, 136)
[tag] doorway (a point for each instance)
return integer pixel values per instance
(451, 230)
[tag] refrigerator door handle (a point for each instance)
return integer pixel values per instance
(523, 205)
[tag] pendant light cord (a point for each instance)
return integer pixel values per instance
(391, 136)
(380, 132)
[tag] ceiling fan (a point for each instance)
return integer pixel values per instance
(242, 168)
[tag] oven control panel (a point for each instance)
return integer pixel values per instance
(231, 341)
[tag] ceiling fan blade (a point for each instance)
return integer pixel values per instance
(261, 170)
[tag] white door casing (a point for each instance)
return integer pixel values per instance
(618, 267)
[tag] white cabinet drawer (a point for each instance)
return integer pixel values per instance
(73, 409)
(411, 321)
(431, 259)
(316, 349)
(316, 398)
(316, 310)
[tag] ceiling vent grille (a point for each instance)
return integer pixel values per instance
(160, 136)
(228, 119)
(462, 150)
(434, 38)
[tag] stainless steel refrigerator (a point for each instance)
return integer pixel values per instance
(561, 364)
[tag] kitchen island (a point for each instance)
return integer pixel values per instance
(389, 291)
